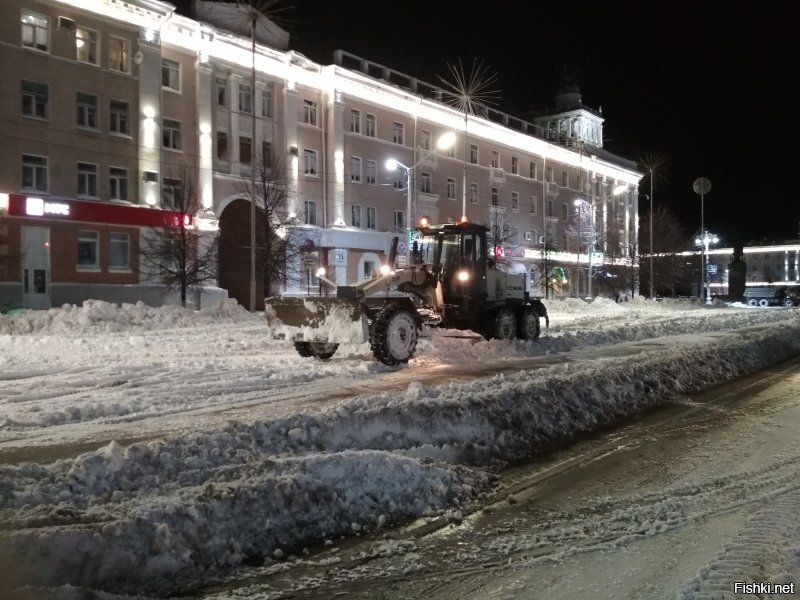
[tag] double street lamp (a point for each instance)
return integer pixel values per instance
(444, 142)
(704, 241)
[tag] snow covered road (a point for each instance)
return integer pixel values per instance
(259, 452)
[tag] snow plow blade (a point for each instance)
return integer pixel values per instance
(334, 320)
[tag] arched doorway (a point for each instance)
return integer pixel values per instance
(234, 254)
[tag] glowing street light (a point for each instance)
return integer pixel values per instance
(704, 241)
(444, 142)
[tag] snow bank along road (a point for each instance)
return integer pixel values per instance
(248, 452)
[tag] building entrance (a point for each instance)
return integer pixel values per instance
(36, 267)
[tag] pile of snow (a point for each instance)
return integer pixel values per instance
(155, 515)
(96, 316)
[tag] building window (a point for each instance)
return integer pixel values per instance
(266, 154)
(34, 173)
(171, 134)
(355, 121)
(309, 112)
(549, 175)
(425, 139)
(222, 91)
(355, 169)
(35, 99)
(245, 98)
(355, 215)
(399, 181)
(564, 179)
(266, 102)
(534, 200)
(370, 125)
(172, 193)
(549, 211)
(245, 150)
(532, 170)
(119, 54)
(495, 159)
(86, 45)
(495, 197)
(515, 165)
(451, 187)
(119, 255)
(372, 217)
(87, 110)
(118, 121)
(222, 145)
(171, 74)
(514, 201)
(310, 162)
(451, 151)
(473, 193)
(369, 269)
(473, 154)
(310, 212)
(565, 211)
(88, 249)
(372, 171)
(399, 221)
(87, 180)
(118, 183)
(34, 31)
(425, 183)
(398, 133)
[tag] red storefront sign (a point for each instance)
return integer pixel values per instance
(92, 212)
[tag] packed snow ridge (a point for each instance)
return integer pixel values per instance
(160, 515)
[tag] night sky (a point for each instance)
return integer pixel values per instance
(711, 85)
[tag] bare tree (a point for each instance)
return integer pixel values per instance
(669, 239)
(501, 237)
(281, 245)
(178, 254)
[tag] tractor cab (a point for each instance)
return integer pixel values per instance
(456, 253)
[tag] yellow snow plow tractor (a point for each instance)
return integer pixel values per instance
(451, 282)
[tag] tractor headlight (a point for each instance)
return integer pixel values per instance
(463, 276)
(385, 270)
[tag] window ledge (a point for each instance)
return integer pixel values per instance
(87, 269)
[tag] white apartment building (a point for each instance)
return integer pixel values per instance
(158, 95)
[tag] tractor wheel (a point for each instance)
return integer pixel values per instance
(763, 302)
(752, 302)
(393, 335)
(321, 350)
(788, 302)
(528, 327)
(505, 325)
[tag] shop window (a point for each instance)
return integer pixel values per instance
(119, 255)
(88, 249)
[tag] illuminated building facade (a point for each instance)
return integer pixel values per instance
(116, 101)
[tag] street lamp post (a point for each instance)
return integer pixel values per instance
(706, 238)
(702, 186)
(444, 142)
